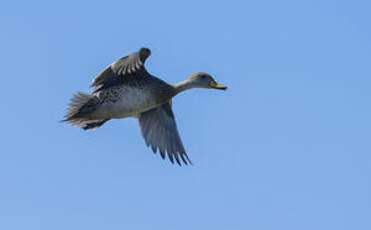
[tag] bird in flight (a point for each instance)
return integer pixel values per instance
(126, 89)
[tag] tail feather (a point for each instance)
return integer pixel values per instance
(80, 109)
(94, 124)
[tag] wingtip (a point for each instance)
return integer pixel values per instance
(144, 53)
(189, 160)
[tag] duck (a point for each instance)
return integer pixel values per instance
(125, 89)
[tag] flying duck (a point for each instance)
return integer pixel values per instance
(126, 89)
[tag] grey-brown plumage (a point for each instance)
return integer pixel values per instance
(126, 89)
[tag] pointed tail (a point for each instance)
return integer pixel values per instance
(80, 109)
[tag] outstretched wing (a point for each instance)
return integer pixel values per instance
(124, 69)
(160, 131)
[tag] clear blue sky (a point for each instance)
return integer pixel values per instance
(286, 147)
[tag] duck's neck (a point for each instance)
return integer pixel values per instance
(182, 86)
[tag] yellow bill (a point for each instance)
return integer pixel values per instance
(215, 85)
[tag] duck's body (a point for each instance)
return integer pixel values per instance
(126, 89)
(131, 100)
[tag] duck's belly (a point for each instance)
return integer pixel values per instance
(119, 102)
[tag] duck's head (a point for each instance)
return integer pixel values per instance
(204, 80)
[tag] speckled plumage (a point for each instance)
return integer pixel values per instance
(126, 100)
(126, 89)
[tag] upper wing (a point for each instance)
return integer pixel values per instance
(122, 70)
(159, 130)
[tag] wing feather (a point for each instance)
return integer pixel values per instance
(159, 130)
(123, 70)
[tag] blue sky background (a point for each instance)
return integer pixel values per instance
(286, 147)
